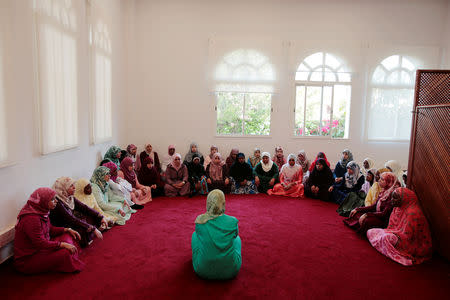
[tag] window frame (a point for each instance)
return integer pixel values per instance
(398, 86)
(243, 115)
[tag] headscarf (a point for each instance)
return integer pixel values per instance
(289, 171)
(241, 171)
(190, 154)
(303, 163)
(215, 207)
(98, 177)
(395, 168)
(253, 159)
(129, 148)
(351, 180)
(408, 223)
(112, 170)
(266, 167)
(343, 161)
(151, 154)
(391, 183)
(146, 174)
(383, 170)
(80, 184)
(373, 172)
(230, 160)
(370, 162)
(324, 176)
(37, 204)
(311, 168)
(61, 186)
(215, 169)
(279, 160)
(173, 159)
(213, 147)
(128, 175)
(111, 154)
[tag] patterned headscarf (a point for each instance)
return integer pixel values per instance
(37, 204)
(98, 178)
(129, 176)
(343, 161)
(215, 169)
(215, 207)
(61, 186)
(391, 183)
(351, 180)
(253, 159)
(279, 160)
(302, 162)
(111, 154)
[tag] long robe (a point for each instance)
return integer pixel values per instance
(323, 180)
(176, 176)
(219, 184)
(297, 190)
(216, 248)
(37, 247)
(82, 218)
(352, 201)
(265, 177)
(377, 217)
(149, 177)
(111, 203)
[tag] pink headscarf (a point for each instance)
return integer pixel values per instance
(410, 227)
(112, 170)
(215, 170)
(391, 184)
(37, 204)
(129, 176)
(131, 147)
(173, 159)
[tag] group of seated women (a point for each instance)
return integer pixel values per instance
(55, 223)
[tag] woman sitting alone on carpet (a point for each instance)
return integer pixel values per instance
(241, 177)
(407, 239)
(143, 193)
(291, 177)
(216, 245)
(266, 173)
(106, 199)
(177, 178)
(69, 212)
(319, 181)
(40, 247)
(353, 181)
(217, 175)
(375, 216)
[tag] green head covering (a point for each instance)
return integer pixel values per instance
(215, 207)
(98, 177)
(111, 154)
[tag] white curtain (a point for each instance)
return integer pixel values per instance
(101, 76)
(56, 38)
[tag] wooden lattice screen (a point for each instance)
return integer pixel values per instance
(429, 153)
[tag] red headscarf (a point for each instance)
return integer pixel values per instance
(37, 204)
(112, 170)
(129, 176)
(311, 168)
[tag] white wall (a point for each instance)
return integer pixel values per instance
(446, 40)
(31, 170)
(169, 99)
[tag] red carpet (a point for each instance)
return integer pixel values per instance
(291, 249)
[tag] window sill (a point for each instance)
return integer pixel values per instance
(101, 141)
(324, 138)
(388, 141)
(60, 149)
(7, 163)
(244, 136)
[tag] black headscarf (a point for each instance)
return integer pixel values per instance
(241, 171)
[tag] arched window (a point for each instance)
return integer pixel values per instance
(391, 100)
(100, 46)
(323, 91)
(244, 85)
(56, 44)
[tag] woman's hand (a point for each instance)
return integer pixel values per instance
(98, 234)
(227, 181)
(72, 249)
(331, 189)
(73, 233)
(104, 224)
(121, 212)
(338, 179)
(257, 180)
(352, 213)
(153, 186)
(210, 182)
(362, 218)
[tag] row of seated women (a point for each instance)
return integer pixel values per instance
(55, 223)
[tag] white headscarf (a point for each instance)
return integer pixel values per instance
(61, 186)
(266, 167)
(289, 171)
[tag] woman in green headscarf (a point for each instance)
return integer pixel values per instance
(110, 203)
(113, 155)
(216, 245)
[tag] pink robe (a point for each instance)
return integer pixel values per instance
(296, 190)
(37, 247)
